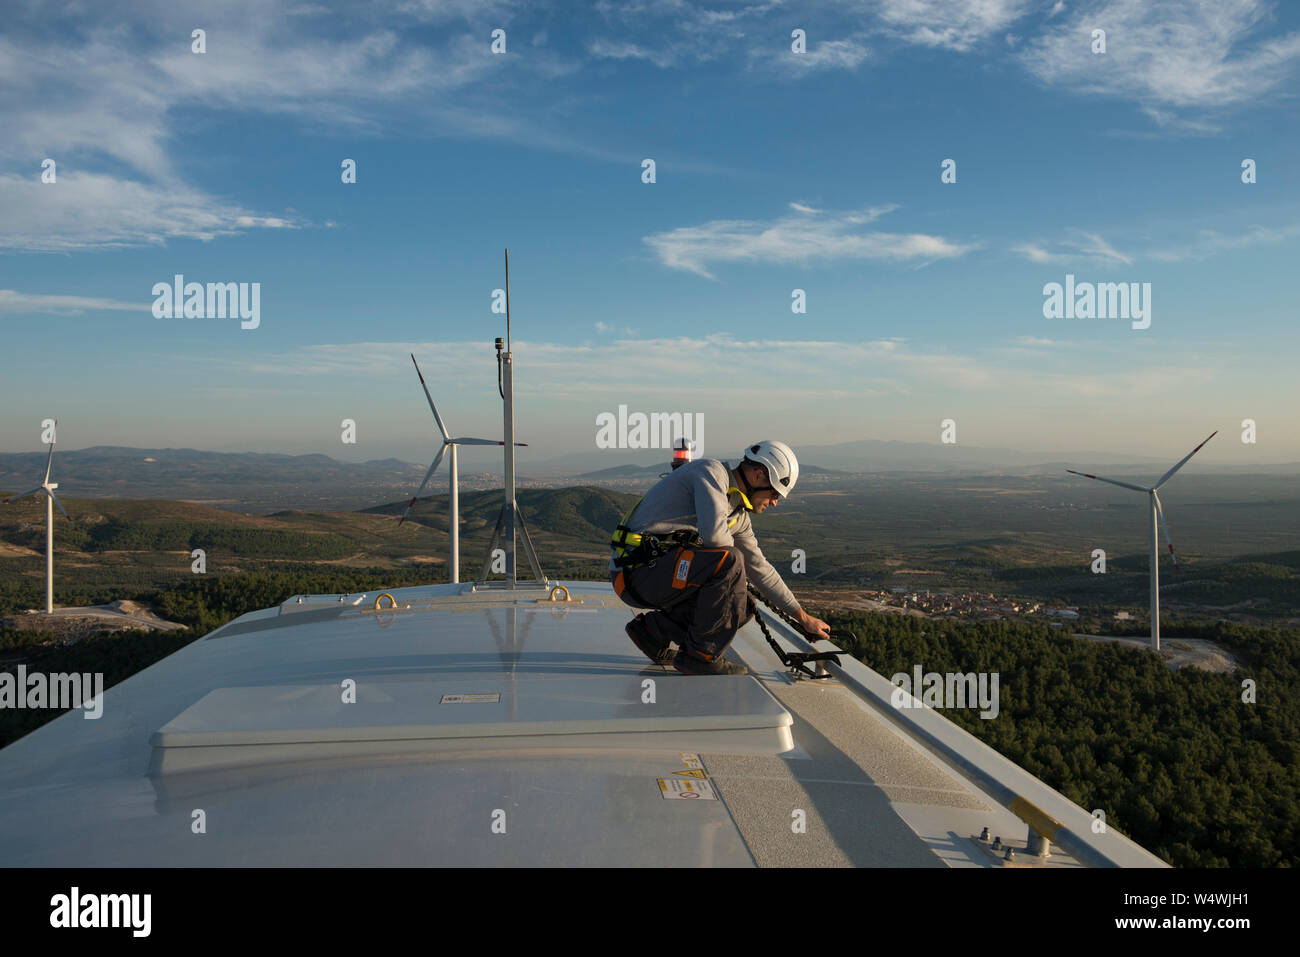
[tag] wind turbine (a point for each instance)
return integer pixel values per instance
(47, 489)
(1157, 516)
(454, 499)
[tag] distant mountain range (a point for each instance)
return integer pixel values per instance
(259, 481)
(642, 474)
(247, 480)
(876, 455)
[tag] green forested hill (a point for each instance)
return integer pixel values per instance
(585, 512)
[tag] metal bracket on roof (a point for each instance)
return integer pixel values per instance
(566, 600)
(798, 661)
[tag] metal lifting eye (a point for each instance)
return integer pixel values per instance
(389, 597)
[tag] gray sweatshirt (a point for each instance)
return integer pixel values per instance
(695, 497)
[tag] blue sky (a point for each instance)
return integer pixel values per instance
(775, 171)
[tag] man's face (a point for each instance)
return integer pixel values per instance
(757, 478)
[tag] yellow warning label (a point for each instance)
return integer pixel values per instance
(691, 760)
(692, 773)
(675, 789)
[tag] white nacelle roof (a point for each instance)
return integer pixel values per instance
(475, 727)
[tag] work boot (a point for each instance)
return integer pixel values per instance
(689, 664)
(640, 634)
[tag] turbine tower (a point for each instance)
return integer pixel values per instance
(453, 519)
(47, 488)
(1157, 517)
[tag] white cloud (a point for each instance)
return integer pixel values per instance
(684, 32)
(1090, 246)
(844, 54)
(1170, 122)
(1205, 243)
(1208, 242)
(951, 24)
(440, 11)
(804, 237)
(106, 97)
(622, 50)
(98, 211)
(1036, 253)
(62, 101)
(17, 302)
(1168, 54)
(264, 222)
(804, 372)
(265, 74)
(1098, 248)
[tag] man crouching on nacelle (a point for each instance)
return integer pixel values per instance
(686, 550)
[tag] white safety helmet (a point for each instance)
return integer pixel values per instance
(782, 466)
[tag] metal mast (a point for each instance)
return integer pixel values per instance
(511, 521)
(508, 389)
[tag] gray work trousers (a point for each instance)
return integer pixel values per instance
(698, 595)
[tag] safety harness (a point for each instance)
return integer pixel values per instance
(641, 548)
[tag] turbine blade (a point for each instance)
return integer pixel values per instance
(436, 417)
(481, 442)
(427, 475)
(12, 498)
(1160, 514)
(1168, 475)
(1136, 488)
(50, 459)
(55, 499)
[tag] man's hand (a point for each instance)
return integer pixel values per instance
(814, 628)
